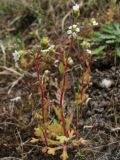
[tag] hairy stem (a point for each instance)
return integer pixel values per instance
(63, 90)
(41, 87)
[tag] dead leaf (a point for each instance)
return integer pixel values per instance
(44, 149)
(51, 151)
(64, 155)
(81, 141)
(34, 140)
(71, 133)
(55, 129)
(85, 79)
(38, 132)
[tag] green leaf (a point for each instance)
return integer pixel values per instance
(68, 121)
(107, 28)
(118, 51)
(110, 41)
(98, 50)
(61, 68)
(117, 27)
(97, 37)
(62, 139)
(111, 28)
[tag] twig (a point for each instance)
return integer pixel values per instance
(10, 123)
(14, 84)
(64, 19)
(109, 144)
(11, 70)
(10, 158)
(21, 144)
(115, 129)
(4, 53)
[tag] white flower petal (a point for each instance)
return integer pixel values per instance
(69, 32)
(74, 25)
(70, 27)
(77, 29)
(16, 56)
(76, 7)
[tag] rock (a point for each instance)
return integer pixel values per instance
(106, 83)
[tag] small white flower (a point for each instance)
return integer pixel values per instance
(76, 8)
(74, 26)
(94, 22)
(73, 30)
(16, 56)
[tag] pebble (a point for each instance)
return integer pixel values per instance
(106, 83)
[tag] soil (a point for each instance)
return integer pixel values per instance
(99, 121)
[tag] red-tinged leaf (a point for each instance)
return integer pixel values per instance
(61, 68)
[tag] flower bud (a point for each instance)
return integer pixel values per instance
(85, 44)
(76, 11)
(44, 42)
(70, 61)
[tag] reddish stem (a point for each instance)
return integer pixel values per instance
(63, 89)
(41, 87)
